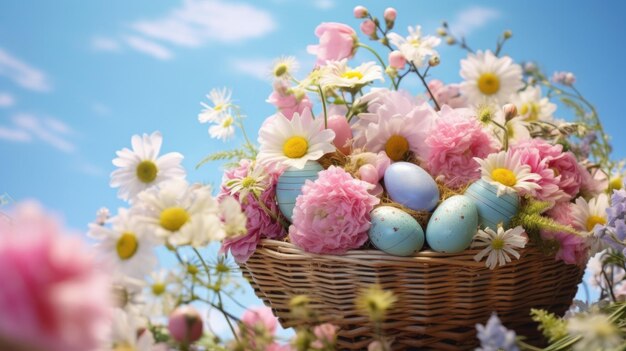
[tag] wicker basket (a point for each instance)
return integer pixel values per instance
(441, 296)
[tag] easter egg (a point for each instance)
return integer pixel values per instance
(411, 186)
(343, 133)
(453, 225)
(395, 231)
(492, 209)
(289, 186)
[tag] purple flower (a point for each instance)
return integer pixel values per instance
(494, 336)
(614, 233)
(565, 78)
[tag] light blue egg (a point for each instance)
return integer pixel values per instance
(395, 231)
(453, 225)
(289, 186)
(411, 186)
(492, 209)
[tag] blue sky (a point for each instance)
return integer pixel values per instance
(78, 78)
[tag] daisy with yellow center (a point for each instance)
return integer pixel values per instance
(180, 214)
(490, 78)
(532, 106)
(284, 67)
(224, 128)
(592, 213)
(415, 48)
(499, 246)
(160, 293)
(220, 105)
(399, 137)
(124, 332)
(291, 143)
(339, 74)
(125, 245)
(141, 167)
(505, 171)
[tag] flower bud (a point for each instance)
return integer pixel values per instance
(390, 14)
(391, 72)
(434, 61)
(450, 40)
(368, 27)
(360, 12)
(397, 60)
(507, 34)
(442, 32)
(510, 111)
(530, 67)
(185, 324)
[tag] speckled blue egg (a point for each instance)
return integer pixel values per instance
(453, 225)
(395, 231)
(289, 186)
(492, 209)
(411, 186)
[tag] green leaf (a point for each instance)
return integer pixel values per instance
(236, 154)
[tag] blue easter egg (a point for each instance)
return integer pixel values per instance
(289, 186)
(453, 225)
(395, 231)
(411, 186)
(492, 209)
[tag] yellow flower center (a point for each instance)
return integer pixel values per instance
(227, 122)
(158, 288)
(147, 171)
(173, 218)
(280, 70)
(352, 74)
(504, 176)
(530, 111)
(616, 183)
(396, 147)
(497, 244)
(593, 220)
(247, 182)
(415, 42)
(123, 347)
(127, 245)
(488, 83)
(295, 147)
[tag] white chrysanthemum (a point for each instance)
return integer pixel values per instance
(180, 214)
(489, 78)
(126, 335)
(339, 74)
(161, 293)
(505, 170)
(596, 332)
(415, 48)
(256, 181)
(532, 107)
(499, 245)
(284, 67)
(223, 128)
(294, 142)
(141, 167)
(233, 218)
(125, 245)
(588, 215)
(221, 103)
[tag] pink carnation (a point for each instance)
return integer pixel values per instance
(53, 296)
(447, 94)
(259, 224)
(333, 213)
(337, 42)
(572, 248)
(452, 146)
(288, 102)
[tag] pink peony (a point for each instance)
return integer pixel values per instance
(256, 318)
(333, 213)
(260, 224)
(53, 296)
(447, 94)
(337, 42)
(573, 249)
(452, 146)
(287, 101)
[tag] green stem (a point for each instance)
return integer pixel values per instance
(505, 139)
(423, 79)
(321, 91)
(204, 265)
(380, 59)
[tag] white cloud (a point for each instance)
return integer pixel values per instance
(324, 4)
(57, 126)
(12, 134)
(41, 129)
(6, 100)
(149, 47)
(23, 74)
(472, 18)
(254, 67)
(105, 44)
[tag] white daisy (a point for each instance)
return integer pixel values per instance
(141, 167)
(125, 245)
(233, 218)
(588, 215)
(161, 293)
(397, 136)
(294, 142)
(415, 48)
(221, 100)
(180, 214)
(489, 78)
(223, 128)
(532, 107)
(285, 67)
(102, 215)
(517, 129)
(595, 332)
(505, 170)
(339, 74)
(499, 245)
(256, 180)
(128, 332)
(127, 292)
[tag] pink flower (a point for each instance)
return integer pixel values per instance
(447, 94)
(337, 42)
(397, 60)
(452, 146)
(325, 335)
(359, 12)
(256, 318)
(185, 324)
(372, 168)
(368, 27)
(573, 249)
(390, 14)
(333, 213)
(53, 296)
(287, 101)
(278, 347)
